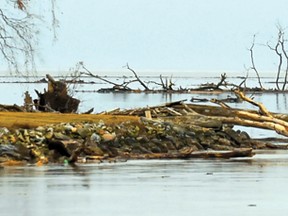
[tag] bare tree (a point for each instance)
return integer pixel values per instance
(253, 67)
(279, 49)
(18, 34)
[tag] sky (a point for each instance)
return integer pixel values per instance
(193, 36)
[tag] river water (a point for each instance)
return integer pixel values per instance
(256, 186)
(247, 186)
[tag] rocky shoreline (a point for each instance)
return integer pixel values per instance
(83, 142)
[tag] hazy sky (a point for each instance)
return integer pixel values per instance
(163, 35)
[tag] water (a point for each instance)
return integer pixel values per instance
(13, 93)
(256, 186)
(247, 186)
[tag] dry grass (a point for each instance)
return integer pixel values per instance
(14, 120)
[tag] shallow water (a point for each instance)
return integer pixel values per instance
(14, 94)
(252, 186)
(247, 186)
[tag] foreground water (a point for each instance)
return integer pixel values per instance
(252, 186)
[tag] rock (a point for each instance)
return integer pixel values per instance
(60, 136)
(3, 131)
(95, 138)
(69, 128)
(59, 147)
(106, 137)
(49, 133)
(17, 152)
(66, 141)
(84, 132)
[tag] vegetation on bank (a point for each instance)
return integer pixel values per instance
(29, 120)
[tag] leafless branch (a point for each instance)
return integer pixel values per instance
(17, 37)
(137, 77)
(87, 72)
(167, 85)
(278, 51)
(18, 34)
(253, 67)
(282, 43)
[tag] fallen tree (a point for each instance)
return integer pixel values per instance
(217, 115)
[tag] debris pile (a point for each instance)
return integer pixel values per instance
(146, 139)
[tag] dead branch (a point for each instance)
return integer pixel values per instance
(262, 108)
(212, 86)
(278, 51)
(221, 103)
(282, 43)
(18, 34)
(222, 81)
(253, 67)
(87, 72)
(137, 78)
(215, 117)
(166, 86)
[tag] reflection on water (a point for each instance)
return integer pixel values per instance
(254, 186)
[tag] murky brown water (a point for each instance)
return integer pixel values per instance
(256, 186)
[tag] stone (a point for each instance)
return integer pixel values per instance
(106, 137)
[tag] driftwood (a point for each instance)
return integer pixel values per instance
(186, 154)
(212, 86)
(237, 152)
(224, 114)
(56, 98)
(11, 108)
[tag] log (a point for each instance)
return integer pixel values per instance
(262, 108)
(172, 155)
(241, 152)
(223, 115)
(11, 108)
